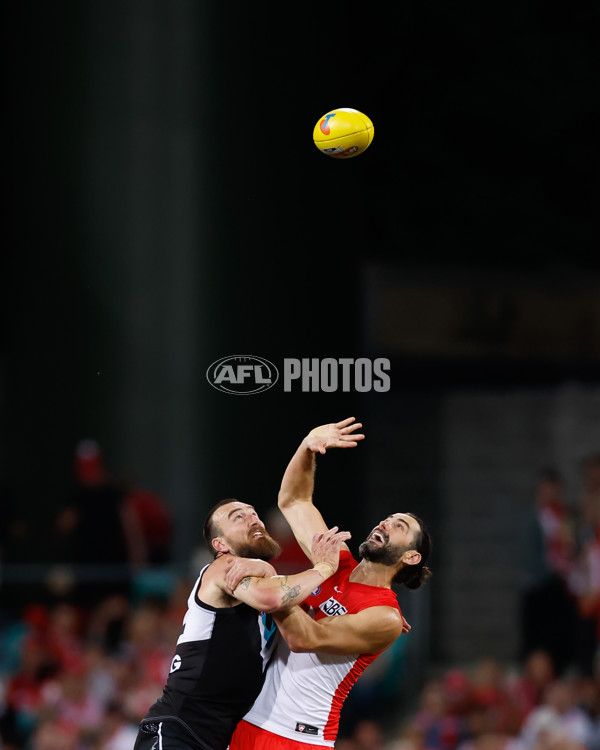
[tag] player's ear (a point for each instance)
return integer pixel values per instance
(220, 545)
(411, 557)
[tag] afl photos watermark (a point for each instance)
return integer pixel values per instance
(244, 375)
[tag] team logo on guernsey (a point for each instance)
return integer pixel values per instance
(268, 631)
(306, 728)
(332, 607)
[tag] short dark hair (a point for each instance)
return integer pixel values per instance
(211, 530)
(413, 576)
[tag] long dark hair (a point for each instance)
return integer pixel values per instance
(413, 576)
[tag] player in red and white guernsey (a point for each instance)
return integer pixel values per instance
(343, 625)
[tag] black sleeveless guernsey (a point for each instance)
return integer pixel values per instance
(217, 671)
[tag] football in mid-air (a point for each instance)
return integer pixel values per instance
(343, 133)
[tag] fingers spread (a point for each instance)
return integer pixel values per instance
(345, 422)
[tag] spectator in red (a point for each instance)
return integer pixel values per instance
(549, 614)
(155, 522)
(585, 578)
(24, 692)
(490, 693)
(528, 689)
(97, 533)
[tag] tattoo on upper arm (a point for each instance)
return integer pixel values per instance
(290, 592)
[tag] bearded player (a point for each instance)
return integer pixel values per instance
(343, 625)
(218, 667)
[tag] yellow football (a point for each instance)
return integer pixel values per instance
(343, 133)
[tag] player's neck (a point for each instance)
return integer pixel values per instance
(373, 574)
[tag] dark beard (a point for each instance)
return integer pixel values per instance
(265, 548)
(386, 555)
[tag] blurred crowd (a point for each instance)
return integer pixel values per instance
(490, 707)
(81, 680)
(560, 607)
(75, 677)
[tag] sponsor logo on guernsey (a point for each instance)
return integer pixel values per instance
(306, 728)
(332, 607)
(175, 664)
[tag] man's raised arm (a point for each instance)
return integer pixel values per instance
(296, 491)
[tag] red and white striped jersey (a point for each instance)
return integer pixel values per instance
(303, 694)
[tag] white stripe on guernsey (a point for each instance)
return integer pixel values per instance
(160, 747)
(198, 622)
(198, 625)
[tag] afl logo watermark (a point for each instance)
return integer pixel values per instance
(176, 663)
(242, 375)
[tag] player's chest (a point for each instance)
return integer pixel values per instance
(331, 601)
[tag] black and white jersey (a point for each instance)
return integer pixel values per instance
(217, 670)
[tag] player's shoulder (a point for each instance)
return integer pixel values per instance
(216, 566)
(347, 560)
(214, 573)
(366, 597)
(211, 589)
(383, 618)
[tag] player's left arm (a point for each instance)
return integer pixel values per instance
(368, 632)
(247, 581)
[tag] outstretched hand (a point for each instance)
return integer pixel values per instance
(326, 547)
(335, 435)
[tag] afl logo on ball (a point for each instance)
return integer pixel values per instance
(242, 375)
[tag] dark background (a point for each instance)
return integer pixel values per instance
(484, 157)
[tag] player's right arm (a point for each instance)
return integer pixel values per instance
(295, 499)
(367, 632)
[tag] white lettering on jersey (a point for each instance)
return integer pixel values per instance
(332, 607)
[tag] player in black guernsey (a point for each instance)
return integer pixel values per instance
(221, 655)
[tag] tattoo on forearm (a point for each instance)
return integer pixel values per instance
(245, 582)
(290, 592)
